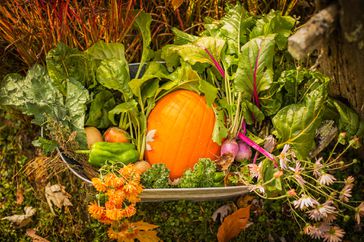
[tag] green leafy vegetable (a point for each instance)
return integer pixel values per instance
(156, 177)
(143, 22)
(103, 102)
(296, 124)
(65, 63)
(349, 120)
(114, 74)
(202, 175)
(255, 71)
(37, 95)
(48, 146)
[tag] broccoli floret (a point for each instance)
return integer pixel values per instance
(156, 177)
(202, 175)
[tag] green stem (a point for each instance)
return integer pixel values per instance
(82, 151)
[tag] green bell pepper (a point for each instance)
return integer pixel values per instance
(112, 152)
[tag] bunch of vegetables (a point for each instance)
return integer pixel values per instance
(198, 108)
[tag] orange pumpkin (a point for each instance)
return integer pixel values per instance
(183, 125)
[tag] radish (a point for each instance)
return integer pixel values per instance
(230, 147)
(244, 152)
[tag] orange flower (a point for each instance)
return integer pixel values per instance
(96, 211)
(129, 210)
(110, 205)
(105, 220)
(109, 179)
(116, 196)
(114, 214)
(134, 198)
(98, 184)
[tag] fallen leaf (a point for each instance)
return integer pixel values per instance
(146, 232)
(35, 238)
(224, 161)
(57, 195)
(176, 4)
(22, 219)
(245, 201)
(233, 224)
(19, 196)
(223, 211)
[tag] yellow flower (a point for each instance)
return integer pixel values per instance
(98, 184)
(96, 211)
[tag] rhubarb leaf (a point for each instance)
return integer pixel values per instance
(296, 124)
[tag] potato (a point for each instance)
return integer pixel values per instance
(93, 135)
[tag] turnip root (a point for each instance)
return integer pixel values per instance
(230, 147)
(244, 152)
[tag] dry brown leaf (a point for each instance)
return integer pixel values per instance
(146, 232)
(57, 195)
(35, 238)
(245, 201)
(22, 219)
(224, 161)
(233, 224)
(19, 196)
(176, 4)
(223, 211)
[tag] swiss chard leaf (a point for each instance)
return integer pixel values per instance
(195, 52)
(255, 70)
(235, 27)
(142, 22)
(154, 70)
(220, 132)
(274, 23)
(103, 102)
(114, 74)
(296, 124)
(65, 63)
(181, 37)
(105, 51)
(122, 108)
(349, 120)
(209, 90)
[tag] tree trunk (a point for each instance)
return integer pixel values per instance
(343, 56)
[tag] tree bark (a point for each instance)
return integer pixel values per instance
(342, 58)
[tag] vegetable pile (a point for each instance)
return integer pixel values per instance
(227, 107)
